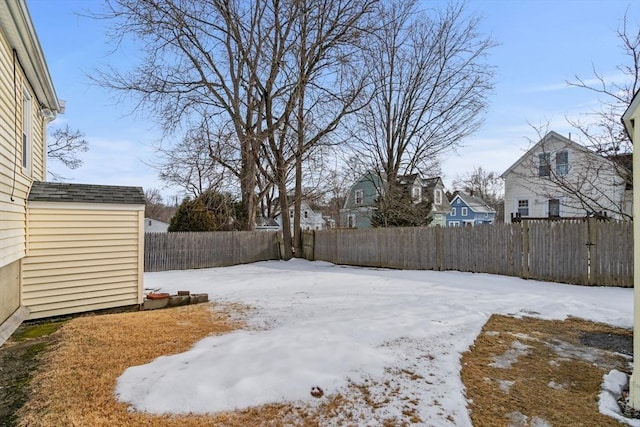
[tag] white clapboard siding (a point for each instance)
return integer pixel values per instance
(81, 259)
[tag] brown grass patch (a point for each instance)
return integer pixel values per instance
(75, 384)
(553, 377)
(549, 379)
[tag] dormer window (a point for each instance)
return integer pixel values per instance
(438, 197)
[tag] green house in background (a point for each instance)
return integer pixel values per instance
(360, 203)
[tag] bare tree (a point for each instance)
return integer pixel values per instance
(430, 83)
(601, 128)
(252, 65)
(205, 59)
(154, 207)
(64, 146)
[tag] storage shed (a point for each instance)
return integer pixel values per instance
(85, 248)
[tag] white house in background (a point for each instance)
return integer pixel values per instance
(309, 219)
(558, 177)
(155, 226)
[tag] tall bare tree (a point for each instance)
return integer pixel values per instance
(253, 65)
(207, 59)
(430, 80)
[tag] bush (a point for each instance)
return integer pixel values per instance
(192, 216)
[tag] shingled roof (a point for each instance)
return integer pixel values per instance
(85, 193)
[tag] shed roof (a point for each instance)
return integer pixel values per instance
(85, 193)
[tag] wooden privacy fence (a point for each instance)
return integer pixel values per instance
(182, 251)
(581, 252)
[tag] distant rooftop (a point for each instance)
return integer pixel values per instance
(85, 193)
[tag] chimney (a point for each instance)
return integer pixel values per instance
(569, 136)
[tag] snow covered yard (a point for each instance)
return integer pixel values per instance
(400, 333)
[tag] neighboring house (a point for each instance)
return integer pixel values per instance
(558, 178)
(440, 206)
(154, 226)
(64, 248)
(469, 210)
(309, 219)
(360, 204)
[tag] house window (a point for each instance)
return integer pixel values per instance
(417, 194)
(438, 197)
(306, 214)
(351, 221)
(454, 223)
(149, 222)
(359, 196)
(523, 207)
(291, 213)
(544, 164)
(453, 211)
(464, 211)
(562, 163)
(554, 208)
(26, 132)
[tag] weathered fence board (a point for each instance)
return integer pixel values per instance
(182, 251)
(580, 252)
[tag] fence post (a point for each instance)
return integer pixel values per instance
(525, 248)
(592, 251)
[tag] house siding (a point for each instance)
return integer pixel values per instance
(14, 181)
(523, 183)
(370, 185)
(82, 258)
(470, 217)
(9, 284)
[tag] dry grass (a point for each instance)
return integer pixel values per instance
(554, 378)
(75, 384)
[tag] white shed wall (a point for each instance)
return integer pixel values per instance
(82, 257)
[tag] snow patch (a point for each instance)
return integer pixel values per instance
(612, 386)
(510, 356)
(399, 333)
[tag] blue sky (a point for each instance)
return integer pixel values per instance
(542, 44)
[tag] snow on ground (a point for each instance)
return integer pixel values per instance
(319, 324)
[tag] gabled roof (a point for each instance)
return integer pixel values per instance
(431, 182)
(85, 193)
(476, 204)
(17, 26)
(551, 134)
